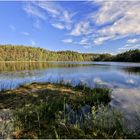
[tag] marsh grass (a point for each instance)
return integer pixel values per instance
(59, 111)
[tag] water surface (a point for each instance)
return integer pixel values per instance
(123, 78)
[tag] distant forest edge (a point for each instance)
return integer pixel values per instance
(27, 53)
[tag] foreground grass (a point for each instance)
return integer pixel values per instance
(38, 93)
(62, 111)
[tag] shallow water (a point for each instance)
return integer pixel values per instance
(123, 78)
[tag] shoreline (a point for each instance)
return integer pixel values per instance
(58, 110)
(31, 88)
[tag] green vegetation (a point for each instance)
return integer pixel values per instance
(22, 53)
(129, 56)
(61, 111)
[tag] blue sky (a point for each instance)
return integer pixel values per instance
(83, 26)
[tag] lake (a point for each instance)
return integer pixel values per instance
(122, 78)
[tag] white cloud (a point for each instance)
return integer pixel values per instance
(129, 47)
(67, 16)
(51, 12)
(50, 7)
(68, 40)
(112, 20)
(87, 47)
(118, 19)
(115, 18)
(109, 11)
(135, 40)
(33, 43)
(32, 10)
(100, 40)
(84, 41)
(132, 45)
(81, 28)
(25, 33)
(112, 11)
(58, 25)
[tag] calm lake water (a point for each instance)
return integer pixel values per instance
(123, 78)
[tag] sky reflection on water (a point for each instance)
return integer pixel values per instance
(123, 78)
(92, 74)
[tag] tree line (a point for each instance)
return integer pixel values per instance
(27, 53)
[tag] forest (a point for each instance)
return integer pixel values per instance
(28, 53)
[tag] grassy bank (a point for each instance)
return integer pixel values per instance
(62, 111)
